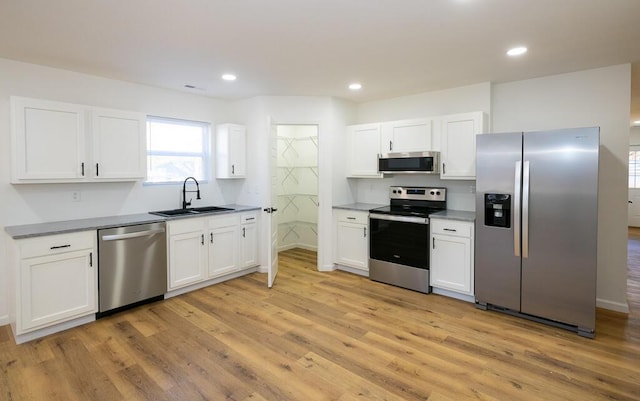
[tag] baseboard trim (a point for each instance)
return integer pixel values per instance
(453, 294)
(4, 320)
(353, 270)
(611, 305)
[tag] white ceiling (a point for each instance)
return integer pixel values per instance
(317, 47)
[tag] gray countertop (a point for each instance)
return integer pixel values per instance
(363, 207)
(448, 214)
(67, 226)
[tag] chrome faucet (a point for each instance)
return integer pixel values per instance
(184, 192)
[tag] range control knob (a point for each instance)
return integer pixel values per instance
(432, 192)
(438, 193)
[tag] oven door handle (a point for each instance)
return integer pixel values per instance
(406, 219)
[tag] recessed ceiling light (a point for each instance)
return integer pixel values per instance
(517, 51)
(229, 77)
(355, 86)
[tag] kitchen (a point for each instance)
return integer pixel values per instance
(592, 97)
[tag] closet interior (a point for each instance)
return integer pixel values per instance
(297, 187)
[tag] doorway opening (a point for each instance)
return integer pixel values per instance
(297, 190)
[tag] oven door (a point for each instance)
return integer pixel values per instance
(402, 240)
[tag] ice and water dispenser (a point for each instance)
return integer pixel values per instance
(497, 210)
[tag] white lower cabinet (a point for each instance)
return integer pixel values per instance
(351, 247)
(223, 244)
(249, 240)
(188, 256)
(452, 255)
(205, 248)
(55, 279)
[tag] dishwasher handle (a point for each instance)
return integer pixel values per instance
(116, 237)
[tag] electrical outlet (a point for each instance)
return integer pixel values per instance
(75, 196)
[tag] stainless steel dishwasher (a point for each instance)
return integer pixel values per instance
(132, 266)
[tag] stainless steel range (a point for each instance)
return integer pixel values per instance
(399, 237)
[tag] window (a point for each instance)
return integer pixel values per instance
(634, 166)
(177, 149)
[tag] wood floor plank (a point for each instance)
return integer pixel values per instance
(325, 336)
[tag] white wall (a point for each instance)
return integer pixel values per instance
(634, 136)
(35, 203)
(598, 97)
(460, 195)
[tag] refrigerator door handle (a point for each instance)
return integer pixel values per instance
(525, 210)
(516, 208)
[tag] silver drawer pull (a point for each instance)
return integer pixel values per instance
(250, 218)
(61, 246)
(450, 229)
(351, 218)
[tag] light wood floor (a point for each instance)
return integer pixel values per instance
(323, 336)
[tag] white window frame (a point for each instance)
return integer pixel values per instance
(205, 155)
(634, 166)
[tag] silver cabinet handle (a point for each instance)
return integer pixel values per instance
(517, 185)
(525, 210)
(60, 246)
(450, 229)
(202, 239)
(243, 232)
(233, 169)
(365, 232)
(390, 145)
(90, 259)
(351, 218)
(211, 234)
(433, 242)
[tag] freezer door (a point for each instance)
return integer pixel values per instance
(497, 260)
(559, 271)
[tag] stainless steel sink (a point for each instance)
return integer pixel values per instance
(195, 210)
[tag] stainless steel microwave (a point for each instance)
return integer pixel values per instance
(409, 163)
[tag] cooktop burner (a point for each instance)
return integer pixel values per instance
(414, 201)
(406, 211)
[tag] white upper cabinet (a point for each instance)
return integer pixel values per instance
(407, 136)
(119, 146)
(458, 145)
(363, 142)
(62, 142)
(47, 140)
(231, 151)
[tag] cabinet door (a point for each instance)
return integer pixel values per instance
(230, 151)
(57, 288)
(458, 145)
(187, 258)
(407, 136)
(351, 245)
(223, 250)
(249, 245)
(451, 263)
(363, 149)
(48, 141)
(119, 145)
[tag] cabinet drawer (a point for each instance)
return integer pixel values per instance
(54, 244)
(248, 218)
(226, 220)
(186, 225)
(352, 216)
(451, 227)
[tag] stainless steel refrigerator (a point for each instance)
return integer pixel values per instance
(537, 225)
